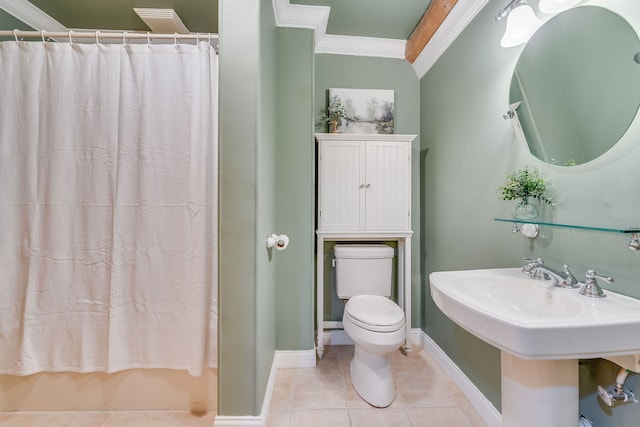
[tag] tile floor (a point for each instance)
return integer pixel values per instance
(324, 396)
(107, 419)
(309, 397)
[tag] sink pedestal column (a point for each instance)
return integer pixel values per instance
(539, 393)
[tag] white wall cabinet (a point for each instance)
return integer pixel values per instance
(364, 182)
(364, 194)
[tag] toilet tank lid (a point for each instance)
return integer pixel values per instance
(363, 251)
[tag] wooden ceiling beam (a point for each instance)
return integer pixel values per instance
(428, 25)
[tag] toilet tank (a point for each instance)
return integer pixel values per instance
(363, 269)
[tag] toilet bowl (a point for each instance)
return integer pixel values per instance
(377, 326)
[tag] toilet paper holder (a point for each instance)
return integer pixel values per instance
(280, 242)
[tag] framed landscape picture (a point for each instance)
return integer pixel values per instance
(367, 110)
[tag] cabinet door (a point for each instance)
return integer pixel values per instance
(388, 186)
(341, 185)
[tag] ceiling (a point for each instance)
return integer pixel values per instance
(378, 28)
(367, 18)
(200, 16)
(372, 18)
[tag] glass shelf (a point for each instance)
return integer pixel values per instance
(625, 230)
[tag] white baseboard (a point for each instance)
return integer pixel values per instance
(281, 359)
(295, 358)
(244, 421)
(485, 408)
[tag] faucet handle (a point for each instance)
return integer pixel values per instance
(591, 287)
(571, 281)
(592, 275)
(530, 263)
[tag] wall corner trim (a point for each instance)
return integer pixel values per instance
(457, 20)
(485, 408)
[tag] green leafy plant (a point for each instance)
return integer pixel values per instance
(336, 110)
(525, 184)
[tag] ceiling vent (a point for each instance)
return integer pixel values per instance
(163, 21)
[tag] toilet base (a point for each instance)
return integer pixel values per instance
(371, 377)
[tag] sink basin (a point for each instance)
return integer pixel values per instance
(541, 331)
(533, 320)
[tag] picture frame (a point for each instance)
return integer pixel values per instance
(367, 111)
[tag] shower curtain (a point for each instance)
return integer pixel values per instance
(108, 207)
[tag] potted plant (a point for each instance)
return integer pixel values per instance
(335, 113)
(529, 187)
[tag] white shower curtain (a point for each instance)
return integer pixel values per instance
(108, 207)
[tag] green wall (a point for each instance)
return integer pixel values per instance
(246, 301)
(295, 196)
(340, 71)
(8, 22)
(467, 149)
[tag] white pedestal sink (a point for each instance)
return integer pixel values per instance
(541, 331)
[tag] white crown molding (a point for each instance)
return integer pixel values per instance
(302, 16)
(31, 15)
(361, 46)
(460, 16)
(316, 18)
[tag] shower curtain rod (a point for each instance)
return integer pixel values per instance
(97, 35)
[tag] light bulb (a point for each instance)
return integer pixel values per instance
(522, 22)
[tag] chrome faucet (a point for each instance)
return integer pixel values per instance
(591, 287)
(563, 278)
(531, 263)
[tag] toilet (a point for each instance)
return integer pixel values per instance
(375, 323)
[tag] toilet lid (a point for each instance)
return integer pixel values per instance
(374, 311)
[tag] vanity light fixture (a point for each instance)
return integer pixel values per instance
(522, 22)
(555, 6)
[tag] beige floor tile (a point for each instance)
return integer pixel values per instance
(458, 397)
(281, 397)
(475, 418)
(77, 419)
(192, 419)
(355, 401)
(279, 417)
(318, 392)
(320, 418)
(139, 419)
(330, 364)
(372, 417)
(24, 419)
(422, 391)
(429, 417)
(410, 364)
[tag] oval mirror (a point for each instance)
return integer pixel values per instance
(578, 85)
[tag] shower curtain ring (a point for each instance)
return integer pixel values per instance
(175, 40)
(124, 38)
(97, 37)
(148, 40)
(15, 34)
(70, 39)
(197, 38)
(42, 34)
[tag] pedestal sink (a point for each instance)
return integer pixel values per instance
(541, 331)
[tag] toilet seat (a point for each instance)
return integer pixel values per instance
(374, 313)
